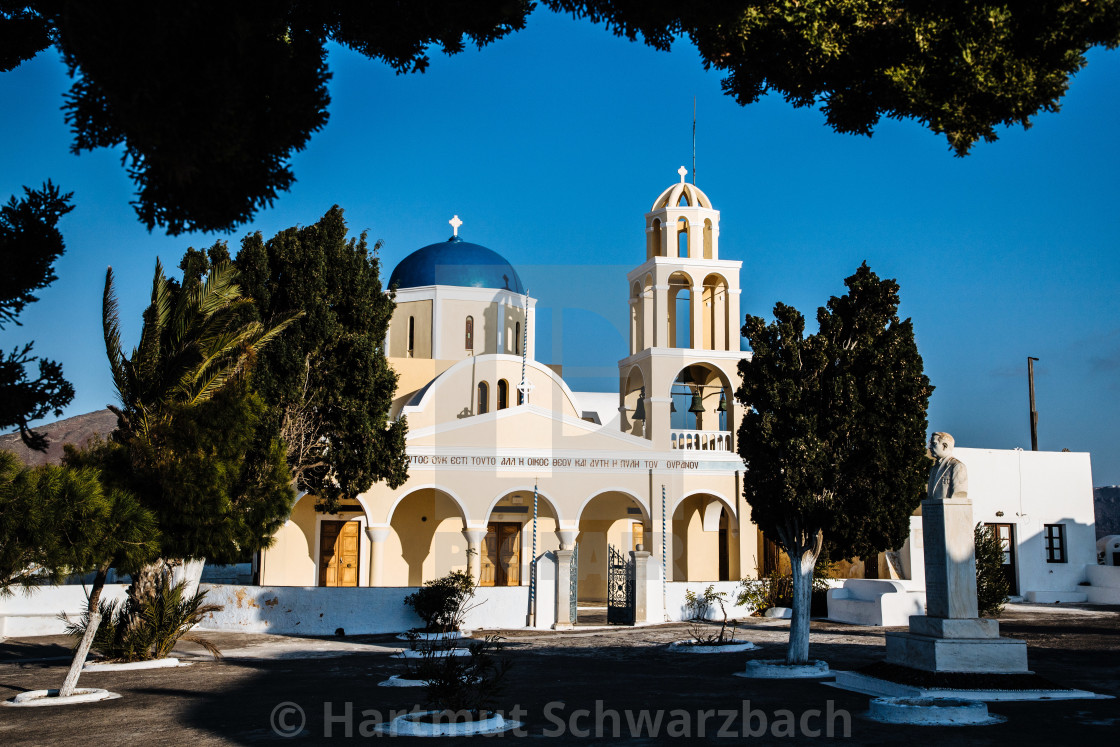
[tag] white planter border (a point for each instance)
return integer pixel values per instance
(777, 669)
(36, 698)
(690, 646)
(124, 666)
(404, 726)
(453, 635)
(439, 653)
(931, 712)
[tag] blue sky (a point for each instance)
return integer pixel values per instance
(552, 144)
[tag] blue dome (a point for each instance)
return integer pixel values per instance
(456, 262)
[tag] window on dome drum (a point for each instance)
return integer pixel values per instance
(411, 335)
(503, 394)
(517, 338)
(483, 398)
(1055, 536)
(469, 338)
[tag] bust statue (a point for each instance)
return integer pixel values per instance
(948, 479)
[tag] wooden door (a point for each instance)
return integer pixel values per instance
(501, 555)
(338, 553)
(1006, 535)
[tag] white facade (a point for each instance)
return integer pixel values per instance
(1036, 495)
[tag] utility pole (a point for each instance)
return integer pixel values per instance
(1034, 412)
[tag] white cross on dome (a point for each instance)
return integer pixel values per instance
(455, 223)
(683, 172)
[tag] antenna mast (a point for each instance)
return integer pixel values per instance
(694, 141)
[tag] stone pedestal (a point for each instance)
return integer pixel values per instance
(951, 637)
(563, 590)
(640, 559)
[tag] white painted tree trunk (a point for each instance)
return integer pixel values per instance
(80, 655)
(94, 609)
(801, 567)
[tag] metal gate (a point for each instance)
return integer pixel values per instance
(574, 576)
(620, 588)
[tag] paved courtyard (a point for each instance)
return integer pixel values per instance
(563, 685)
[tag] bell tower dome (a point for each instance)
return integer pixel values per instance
(682, 223)
(684, 328)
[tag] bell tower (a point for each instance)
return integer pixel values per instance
(684, 329)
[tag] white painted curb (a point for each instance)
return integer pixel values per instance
(406, 726)
(124, 666)
(777, 669)
(690, 646)
(35, 698)
(931, 712)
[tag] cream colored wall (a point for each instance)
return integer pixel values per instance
(453, 325)
(413, 374)
(291, 560)
(427, 540)
(421, 311)
(454, 396)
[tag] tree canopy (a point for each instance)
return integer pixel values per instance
(209, 100)
(192, 440)
(326, 379)
(56, 521)
(30, 242)
(833, 440)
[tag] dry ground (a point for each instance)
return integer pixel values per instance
(233, 701)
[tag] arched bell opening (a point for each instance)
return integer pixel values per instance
(701, 411)
(632, 419)
(715, 309)
(680, 310)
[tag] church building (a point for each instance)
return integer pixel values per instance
(507, 463)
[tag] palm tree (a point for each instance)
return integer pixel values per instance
(193, 343)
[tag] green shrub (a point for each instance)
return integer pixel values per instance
(699, 605)
(991, 584)
(760, 594)
(465, 686)
(142, 631)
(442, 603)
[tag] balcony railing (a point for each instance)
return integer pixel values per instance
(701, 440)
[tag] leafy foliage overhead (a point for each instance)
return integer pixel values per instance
(30, 242)
(210, 99)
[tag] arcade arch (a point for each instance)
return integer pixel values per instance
(608, 518)
(427, 539)
(705, 540)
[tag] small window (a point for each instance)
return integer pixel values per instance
(520, 396)
(517, 339)
(411, 335)
(503, 394)
(469, 341)
(1055, 543)
(483, 398)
